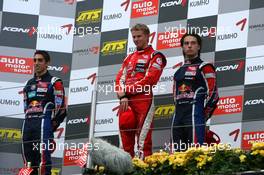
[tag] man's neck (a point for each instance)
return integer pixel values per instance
(40, 74)
(190, 57)
(144, 47)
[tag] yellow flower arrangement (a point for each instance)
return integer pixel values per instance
(139, 163)
(242, 158)
(258, 146)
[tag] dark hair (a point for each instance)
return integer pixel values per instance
(141, 27)
(45, 54)
(198, 38)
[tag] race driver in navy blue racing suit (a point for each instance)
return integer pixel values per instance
(195, 96)
(44, 111)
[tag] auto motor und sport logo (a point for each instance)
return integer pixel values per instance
(71, 155)
(170, 39)
(248, 138)
(11, 64)
(229, 105)
(144, 8)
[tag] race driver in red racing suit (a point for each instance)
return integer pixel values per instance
(134, 81)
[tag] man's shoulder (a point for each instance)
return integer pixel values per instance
(30, 81)
(158, 53)
(55, 79)
(204, 64)
(128, 56)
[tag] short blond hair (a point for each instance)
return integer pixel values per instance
(141, 27)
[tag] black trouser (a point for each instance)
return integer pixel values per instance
(188, 125)
(37, 131)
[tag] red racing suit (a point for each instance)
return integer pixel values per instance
(140, 71)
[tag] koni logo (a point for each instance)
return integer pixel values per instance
(30, 31)
(237, 67)
(11, 64)
(79, 120)
(254, 102)
(64, 68)
(174, 3)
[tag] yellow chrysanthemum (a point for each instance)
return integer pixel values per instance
(261, 152)
(256, 146)
(139, 163)
(256, 152)
(237, 150)
(242, 158)
(101, 169)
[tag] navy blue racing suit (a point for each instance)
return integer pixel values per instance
(195, 97)
(44, 111)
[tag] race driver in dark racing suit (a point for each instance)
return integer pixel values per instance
(139, 72)
(195, 95)
(44, 111)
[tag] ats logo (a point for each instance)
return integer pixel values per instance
(114, 47)
(10, 135)
(144, 8)
(168, 40)
(248, 138)
(235, 67)
(229, 105)
(164, 111)
(89, 16)
(17, 65)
